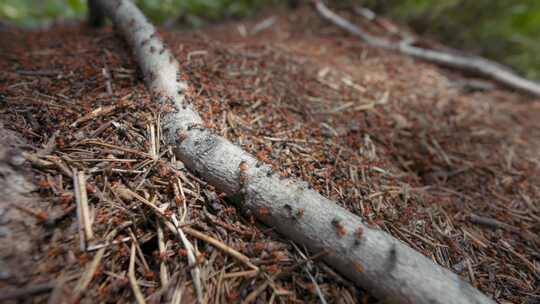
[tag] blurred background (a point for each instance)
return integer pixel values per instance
(504, 30)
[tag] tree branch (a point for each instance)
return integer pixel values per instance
(471, 64)
(371, 258)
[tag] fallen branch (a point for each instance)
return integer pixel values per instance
(472, 64)
(369, 257)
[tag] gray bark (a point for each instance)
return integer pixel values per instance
(471, 64)
(375, 261)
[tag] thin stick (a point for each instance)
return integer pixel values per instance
(85, 210)
(131, 193)
(192, 261)
(95, 247)
(255, 293)
(221, 246)
(139, 251)
(178, 292)
(87, 276)
(80, 221)
(95, 113)
(163, 271)
(132, 280)
(490, 222)
(153, 145)
(534, 269)
(247, 273)
(108, 80)
(115, 147)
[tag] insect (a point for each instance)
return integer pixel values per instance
(259, 246)
(300, 212)
(181, 135)
(358, 267)
(162, 256)
(272, 268)
(339, 227)
(263, 211)
(243, 171)
(150, 275)
(358, 233)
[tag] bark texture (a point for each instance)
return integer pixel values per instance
(471, 64)
(375, 261)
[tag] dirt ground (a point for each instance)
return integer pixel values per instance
(453, 172)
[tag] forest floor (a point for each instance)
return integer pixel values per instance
(453, 172)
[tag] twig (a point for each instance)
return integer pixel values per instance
(221, 246)
(95, 247)
(83, 212)
(139, 251)
(95, 113)
(41, 216)
(52, 221)
(131, 276)
(534, 268)
(111, 146)
(108, 80)
(163, 272)
(477, 65)
(49, 146)
(192, 261)
(178, 292)
(153, 145)
(307, 268)
(87, 276)
(253, 295)
(36, 161)
(80, 220)
(490, 222)
(45, 73)
(263, 25)
(56, 160)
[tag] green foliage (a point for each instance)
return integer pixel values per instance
(31, 12)
(193, 12)
(503, 30)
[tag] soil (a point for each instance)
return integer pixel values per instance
(453, 172)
